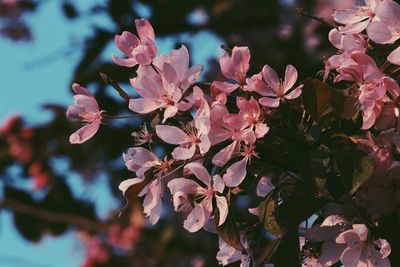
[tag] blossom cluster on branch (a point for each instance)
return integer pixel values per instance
(311, 152)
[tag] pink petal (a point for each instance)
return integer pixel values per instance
(388, 12)
(269, 102)
(152, 201)
(128, 62)
(261, 130)
(199, 171)
(224, 155)
(236, 173)
(182, 185)
(179, 59)
(78, 89)
(348, 16)
(126, 42)
(355, 28)
(218, 183)
(169, 112)
(290, 78)
(144, 105)
(330, 253)
(202, 118)
(271, 78)
(144, 29)
(394, 56)
(148, 86)
(335, 38)
(350, 257)
(169, 73)
(196, 219)
(225, 86)
(236, 66)
(235, 121)
(182, 153)
(124, 185)
(264, 186)
(295, 93)
(74, 112)
(380, 33)
(204, 144)
(384, 247)
(171, 134)
(85, 133)
(88, 103)
(222, 205)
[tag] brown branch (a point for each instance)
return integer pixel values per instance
(52, 216)
(319, 19)
(111, 82)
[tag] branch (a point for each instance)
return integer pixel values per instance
(110, 81)
(52, 216)
(319, 19)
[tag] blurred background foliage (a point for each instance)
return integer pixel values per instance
(36, 161)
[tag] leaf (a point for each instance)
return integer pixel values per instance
(288, 253)
(355, 167)
(267, 210)
(133, 191)
(322, 102)
(229, 231)
(295, 210)
(362, 172)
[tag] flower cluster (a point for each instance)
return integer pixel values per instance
(284, 140)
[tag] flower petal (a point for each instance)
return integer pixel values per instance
(222, 205)
(199, 171)
(236, 173)
(171, 134)
(85, 133)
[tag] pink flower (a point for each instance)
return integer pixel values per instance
(249, 118)
(358, 18)
(276, 89)
(196, 136)
(360, 251)
(86, 110)
(143, 136)
(163, 87)
(385, 28)
(234, 67)
(187, 189)
(140, 50)
(394, 56)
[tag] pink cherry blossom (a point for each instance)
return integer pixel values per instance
(139, 50)
(195, 136)
(143, 136)
(184, 189)
(385, 28)
(86, 110)
(234, 67)
(276, 89)
(163, 86)
(357, 18)
(360, 251)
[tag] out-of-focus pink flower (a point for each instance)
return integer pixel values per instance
(276, 89)
(39, 175)
(139, 50)
(10, 125)
(96, 251)
(201, 211)
(196, 136)
(123, 237)
(86, 110)
(357, 18)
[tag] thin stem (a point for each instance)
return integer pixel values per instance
(319, 19)
(52, 216)
(111, 82)
(154, 68)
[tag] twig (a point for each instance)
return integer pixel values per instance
(110, 81)
(320, 19)
(52, 216)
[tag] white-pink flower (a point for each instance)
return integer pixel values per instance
(197, 199)
(86, 110)
(195, 136)
(276, 89)
(139, 50)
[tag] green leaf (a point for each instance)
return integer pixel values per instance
(362, 172)
(229, 231)
(267, 210)
(322, 102)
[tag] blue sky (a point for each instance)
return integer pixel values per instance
(40, 72)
